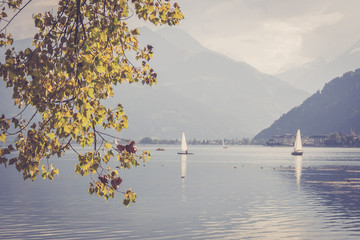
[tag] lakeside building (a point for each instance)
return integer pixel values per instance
(289, 139)
(320, 140)
(282, 140)
(316, 140)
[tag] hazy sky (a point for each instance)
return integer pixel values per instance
(271, 35)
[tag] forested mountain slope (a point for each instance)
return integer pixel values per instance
(335, 109)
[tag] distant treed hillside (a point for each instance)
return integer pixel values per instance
(335, 109)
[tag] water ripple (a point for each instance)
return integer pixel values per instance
(258, 199)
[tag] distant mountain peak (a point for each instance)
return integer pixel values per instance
(313, 75)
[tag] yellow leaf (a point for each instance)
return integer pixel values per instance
(68, 128)
(100, 69)
(125, 122)
(103, 36)
(46, 115)
(91, 93)
(108, 145)
(51, 136)
(114, 173)
(2, 137)
(49, 87)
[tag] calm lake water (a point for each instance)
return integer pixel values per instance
(243, 192)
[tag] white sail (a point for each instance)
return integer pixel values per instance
(183, 143)
(223, 143)
(298, 144)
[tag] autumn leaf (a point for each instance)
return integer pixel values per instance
(108, 145)
(116, 182)
(2, 137)
(100, 68)
(51, 136)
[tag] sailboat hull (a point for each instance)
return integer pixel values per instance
(185, 153)
(297, 153)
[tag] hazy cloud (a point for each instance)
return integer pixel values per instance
(271, 35)
(274, 35)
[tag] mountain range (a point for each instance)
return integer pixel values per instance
(312, 76)
(335, 108)
(202, 92)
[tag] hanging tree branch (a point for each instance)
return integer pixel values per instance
(78, 56)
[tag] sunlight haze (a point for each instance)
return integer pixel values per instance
(272, 36)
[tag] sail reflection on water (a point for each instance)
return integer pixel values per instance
(183, 175)
(183, 166)
(298, 168)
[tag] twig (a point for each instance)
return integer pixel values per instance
(15, 16)
(126, 140)
(94, 137)
(10, 134)
(74, 149)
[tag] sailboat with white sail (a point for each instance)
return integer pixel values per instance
(298, 144)
(223, 144)
(184, 148)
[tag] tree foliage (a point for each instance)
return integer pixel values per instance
(78, 55)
